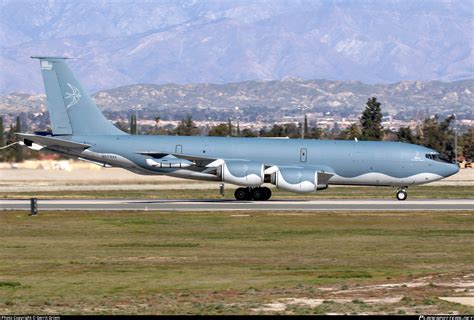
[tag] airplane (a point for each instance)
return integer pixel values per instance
(79, 129)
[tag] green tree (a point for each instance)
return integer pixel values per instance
(248, 133)
(306, 133)
(371, 121)
(405, 134)
(2, 133)
(350, 133)
(315, 132)
(133, 124)
(468, 144)
(221, 130)
(229, 128)
(122, 126)
(187, 127)
(19, 155)
(285, 130)
(276, 131)
(438, 136)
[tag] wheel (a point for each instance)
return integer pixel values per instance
(243, 194)
(267, 193)
(240, 194)
(258, 194)
(249, 193)
(402, 195)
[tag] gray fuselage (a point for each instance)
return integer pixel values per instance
(350, 162)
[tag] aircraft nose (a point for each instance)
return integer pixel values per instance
(450, 169)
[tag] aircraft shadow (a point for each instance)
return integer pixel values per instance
(213, 201)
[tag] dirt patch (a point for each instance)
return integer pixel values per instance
(467, 301)
(400, 295)
(283, 304)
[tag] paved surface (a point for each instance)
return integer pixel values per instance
(226, 204)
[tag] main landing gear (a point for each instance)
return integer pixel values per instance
(401, 194)
(257, 193)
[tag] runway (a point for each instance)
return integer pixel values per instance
(227, 204)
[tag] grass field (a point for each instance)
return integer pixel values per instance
(245, 263)
(333, 192)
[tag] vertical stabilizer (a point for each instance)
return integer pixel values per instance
(72, 111)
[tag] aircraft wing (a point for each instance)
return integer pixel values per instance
(324, 172)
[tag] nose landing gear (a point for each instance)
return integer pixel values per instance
(402, 194)
(257, 193)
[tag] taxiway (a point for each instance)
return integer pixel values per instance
(227, 204)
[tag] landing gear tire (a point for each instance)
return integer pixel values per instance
(267, 193)
(243, 194)
(258, 194)
(402, 195)
(261, 193)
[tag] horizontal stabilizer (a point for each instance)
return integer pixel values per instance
(51, 142)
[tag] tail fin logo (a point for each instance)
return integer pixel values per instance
(74, 95)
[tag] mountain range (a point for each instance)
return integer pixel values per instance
(271, 100)
(120, 43)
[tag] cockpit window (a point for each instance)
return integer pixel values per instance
(436, 157)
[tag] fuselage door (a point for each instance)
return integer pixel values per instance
(303, 154)
(178, 149)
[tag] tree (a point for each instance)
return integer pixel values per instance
(229, 128)
(187, 127)
(305, 128)
(350, 133)
(133, 124)
(371, 121)
(285, 130)
(248, 133)
(404, 134)
(2, 133)
(315, 132)
(19, 156)
(331, 134)
(122, 126)
(438, 136)
(468, 144)
(221, 130)
(276, 131)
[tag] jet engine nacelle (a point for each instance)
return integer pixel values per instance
(298, 180)
(242, 173)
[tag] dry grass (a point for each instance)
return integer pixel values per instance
(213, 263)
